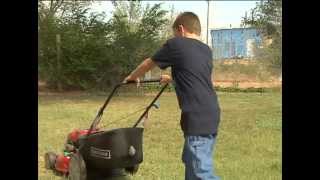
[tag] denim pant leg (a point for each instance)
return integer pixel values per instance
(197, 157)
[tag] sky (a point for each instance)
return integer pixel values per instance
(222, 13)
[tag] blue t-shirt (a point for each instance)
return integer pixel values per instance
(191, 65)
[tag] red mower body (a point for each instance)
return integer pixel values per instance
(62, 164)
(75, 134)
(62, 161)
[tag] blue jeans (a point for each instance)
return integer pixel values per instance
(197, 157)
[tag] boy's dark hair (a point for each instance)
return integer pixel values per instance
(190, 21)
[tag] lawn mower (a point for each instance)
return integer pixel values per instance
(102, 154)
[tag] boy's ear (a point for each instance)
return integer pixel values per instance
(180, 28)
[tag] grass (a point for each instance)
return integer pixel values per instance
(248, 146)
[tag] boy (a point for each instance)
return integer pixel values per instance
(191, 63)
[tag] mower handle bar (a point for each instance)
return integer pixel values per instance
(143, 81)
(100, 112)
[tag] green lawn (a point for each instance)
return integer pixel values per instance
(248, 146)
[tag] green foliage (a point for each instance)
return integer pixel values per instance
(95, 53)
(267, 18)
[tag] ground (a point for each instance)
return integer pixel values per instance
(248, 84)
(248, 145)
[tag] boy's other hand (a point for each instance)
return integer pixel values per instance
(164, 79)
(129, 78)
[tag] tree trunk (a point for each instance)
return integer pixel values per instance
(59, 84)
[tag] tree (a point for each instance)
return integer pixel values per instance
(80, 52)
(136, 34)
(95, 53)
(167, 33)
(267, 18)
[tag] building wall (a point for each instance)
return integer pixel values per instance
(236, 42)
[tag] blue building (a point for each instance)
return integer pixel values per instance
(234, 43)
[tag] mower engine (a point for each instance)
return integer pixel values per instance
(60, 163)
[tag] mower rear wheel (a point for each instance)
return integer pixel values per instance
(132, 170)
(50, 160)
(77, 167)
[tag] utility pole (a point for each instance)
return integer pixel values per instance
(208, 22)
(230, 48)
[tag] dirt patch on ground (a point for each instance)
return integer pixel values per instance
(247, 84)
(43, 90)
(239, 61)
(65, 93)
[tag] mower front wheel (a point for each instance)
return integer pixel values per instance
(50, 160)
(77, 167)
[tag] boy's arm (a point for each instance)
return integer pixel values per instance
(144, 67)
